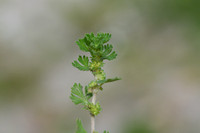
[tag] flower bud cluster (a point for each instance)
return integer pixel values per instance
(100, 75)
(93, 86)
(94, 108)
(95, 65)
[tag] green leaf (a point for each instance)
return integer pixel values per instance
(112, 56)
(82, 45)
(80, 128)
(77, 95)
(108, 80)
(102, 38)
(90, 37)
(105, 131)
(96, 42)
(107, 49)
(84, 66)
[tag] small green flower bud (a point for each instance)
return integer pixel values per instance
(101, 76)
(92, 84)
(94, 109)
(95, 65)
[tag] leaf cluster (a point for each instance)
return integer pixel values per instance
(100, 50)
(96, 46)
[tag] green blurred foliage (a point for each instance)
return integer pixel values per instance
(184, 14)
(169, 11)
(139, 126)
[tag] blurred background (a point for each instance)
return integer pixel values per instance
(158, 48)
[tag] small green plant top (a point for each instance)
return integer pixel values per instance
(99, 50)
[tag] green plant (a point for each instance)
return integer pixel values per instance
(99, 52)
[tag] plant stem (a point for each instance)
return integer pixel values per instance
(92, 116)
(94, 97)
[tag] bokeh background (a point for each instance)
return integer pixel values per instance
(158, 48)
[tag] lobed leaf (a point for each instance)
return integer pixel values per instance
(106, 37)
(112, 56)
(84, 66)
(108, 80)
(107, 49)
(82, 45)
(102, 38)
(90, 37)
(80, 128)
(77, 95)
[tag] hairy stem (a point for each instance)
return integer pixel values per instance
(92, 116)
